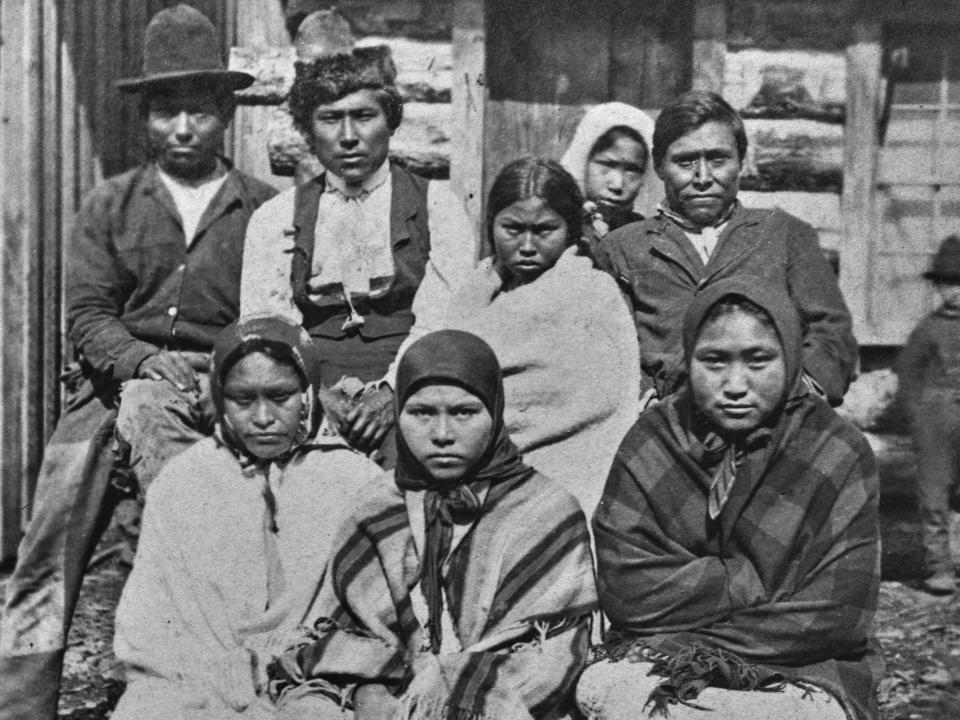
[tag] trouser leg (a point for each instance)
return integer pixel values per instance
(158, 422)
(67, 520)
(935, 437)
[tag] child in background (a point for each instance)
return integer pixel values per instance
(609, 157)
(929, 373)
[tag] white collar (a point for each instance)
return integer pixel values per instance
(378, 178)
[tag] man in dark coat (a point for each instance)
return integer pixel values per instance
(702, 234)
(154, 274)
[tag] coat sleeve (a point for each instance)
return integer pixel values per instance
(265, 285)
(827, 610)
(648, 582)
(829, 348)
(96, 291)
(912, 366)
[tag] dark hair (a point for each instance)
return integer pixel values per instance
(531, 177)
(606, 141)
(305, 96)
(689, 112)
(730, 304)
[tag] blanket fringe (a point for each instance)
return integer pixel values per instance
(692, 668)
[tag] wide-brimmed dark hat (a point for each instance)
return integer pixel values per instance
(181, 44)
(946, 263)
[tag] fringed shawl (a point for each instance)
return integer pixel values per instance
(785, 580)
(521, 590)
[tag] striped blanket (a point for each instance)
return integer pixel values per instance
(784, 580)
(520, 590)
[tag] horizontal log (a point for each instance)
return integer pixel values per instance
(799, 155)
(424, 70)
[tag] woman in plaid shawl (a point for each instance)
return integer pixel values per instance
(463, 590)
(738, 537)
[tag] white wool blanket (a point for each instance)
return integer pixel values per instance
(571, 363)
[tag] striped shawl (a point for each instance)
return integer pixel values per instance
(520, 591)
(785, 579)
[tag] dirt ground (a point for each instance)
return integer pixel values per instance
(919, 634)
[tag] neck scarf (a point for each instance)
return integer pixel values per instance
(726, 455)
(456, 358)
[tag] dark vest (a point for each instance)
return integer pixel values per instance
(388, 314)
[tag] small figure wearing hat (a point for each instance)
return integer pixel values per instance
(929, 375)
(345, 252)
(154, 274)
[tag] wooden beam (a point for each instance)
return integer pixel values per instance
(469, 97)
(864, 54)
(709, 44)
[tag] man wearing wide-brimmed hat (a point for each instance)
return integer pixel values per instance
(345, 252)
(929, 374)
(153, 275)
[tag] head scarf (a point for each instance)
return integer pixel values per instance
(729, 455)
(291, 342)
(598, 120)
(457, 358)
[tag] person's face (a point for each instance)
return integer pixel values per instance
(614, 175)
(262, 401)
(185, 130)
(737, 372)
(949, 294)
(529, 237)
(447, 429)
(351, 137)
(701, 173)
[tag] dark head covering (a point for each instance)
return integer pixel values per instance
(456, 358)
(725, 457)
(773, 300)
(181, 44)
(282, 339)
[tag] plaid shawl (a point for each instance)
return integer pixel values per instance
(520, 588)
(785, 580)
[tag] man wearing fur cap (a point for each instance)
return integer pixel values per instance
(345, 252)
(153, 276)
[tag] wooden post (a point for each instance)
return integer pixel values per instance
(709, 44)
(864, 54)
(469, 99)
(258, 24)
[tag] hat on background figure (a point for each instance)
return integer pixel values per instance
(946, 263)
(181, 44)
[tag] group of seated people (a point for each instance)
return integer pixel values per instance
(595, 473)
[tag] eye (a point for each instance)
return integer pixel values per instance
(241, 401)
(282, 396)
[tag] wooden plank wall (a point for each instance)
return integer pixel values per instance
(64, 129)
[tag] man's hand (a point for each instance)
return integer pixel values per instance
(169, 366)
(366, 424)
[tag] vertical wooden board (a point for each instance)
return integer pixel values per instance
(650, 51)
(860, 171)
(469, 98)
(13, 84)
(542, 52)
(514, 129)
(709, 45)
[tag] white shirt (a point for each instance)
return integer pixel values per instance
(352, 236)
(191, 199)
